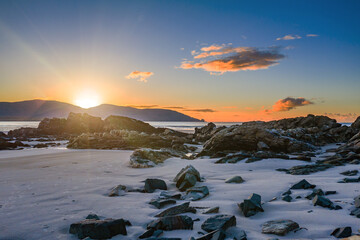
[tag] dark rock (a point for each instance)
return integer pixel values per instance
(196, 193)
(251, 206)
(167, 195)
(357, 201)
(355, 212)
(187, 178)
(119, 190)
(330, 192)
(162, 203)
(235, 179)
(151, 184)
(288, 192)
(218, 222)
(98, 229)
(303, 184)
(350, 180)
(279, 227)
(323, 202)
(40, 145)
(171, 223)
(93, 216)
(130, 124)
(143, 158)
(342, 232)
(314, 193)
(236, 233)
(212, 210)
(356, 124)
(233, 158)
(148, 233)
(179, 209)
(287, 198)
(350, 173)
(306, 169)
(204, 133)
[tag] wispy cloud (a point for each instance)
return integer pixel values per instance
(342, 117)
(312, 35)
(205, 110)
(289, 37)
(140, 76)
(288, 104)
(143, 106)
(213, 47)
(233, 59)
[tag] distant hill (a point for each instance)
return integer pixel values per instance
(39, 109)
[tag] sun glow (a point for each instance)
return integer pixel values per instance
(87, 99)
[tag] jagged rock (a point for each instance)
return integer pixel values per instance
(168, 195)
(148, 233)
(251, 206)
(287, 198)
(179, 209)
(125, 123)
(218, 222)
(350, 180)
(171, 223)
(350, 173)
(151, 184)
(162, 203)
(214, 235)
(204, 133)
(235, 179)
(324, 202)
(99, 229)
(356, 124)
(196, 193)
(314, 193)
(93, 216)
(119, 190)
(279, 227)
(187, 177)
(212, 210)
(342, 232)
(288, 192)
(303, 184)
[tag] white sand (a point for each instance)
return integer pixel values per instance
(43, 191)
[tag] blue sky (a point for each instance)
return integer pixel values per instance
(56, 49)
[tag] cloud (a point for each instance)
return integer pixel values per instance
(312, 35)
(235, 59)
(143, 106)
(205, 110)
(289, 37)
(213, 47)
(342, 117)
(140, 76)
(230, 107)
(288, 104)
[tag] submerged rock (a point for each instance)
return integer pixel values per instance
(350, 173)
(218, 222)
(251, 206)
(99, 229)
(279, 227)
(171, 223)
(187, 177)
(214, 235)
(151, 184)
(179, 209)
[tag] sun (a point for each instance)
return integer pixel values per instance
(87, 99)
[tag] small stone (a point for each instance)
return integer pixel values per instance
(172, 223)
(330, 192)
(235, 179)
(251, 206)
(119, 190)
(279, 227)
(93, 216)
(196, 193)
(287, 198)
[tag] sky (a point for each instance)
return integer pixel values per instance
(216, 60)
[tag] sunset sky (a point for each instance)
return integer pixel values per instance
(217, 60)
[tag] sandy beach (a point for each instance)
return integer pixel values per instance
(44, 191)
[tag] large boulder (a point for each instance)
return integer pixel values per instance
(171, 223)
(187, 177)
(251, 206)
(279, 227)
(99, 229)
(218, 222)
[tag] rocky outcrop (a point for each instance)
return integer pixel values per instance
(125, 123)
(205, 133)
(279, 227)
(99, 229)
(144, 158)
(303, 184)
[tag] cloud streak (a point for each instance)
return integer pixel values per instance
(230, 59)
(288, 104)
(294, 36)
(140, 76)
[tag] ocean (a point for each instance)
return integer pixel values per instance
(188, 127)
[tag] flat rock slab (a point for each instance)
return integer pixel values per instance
(162, 203)
(179, 209)
(218, 222)
(171, 223)
(279, 227)
(196, 193)
(99, 229)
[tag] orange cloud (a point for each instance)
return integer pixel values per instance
(312, 35)
(289, 37)
(212, 48)
(287, 104)
(242, 58)
(340, 117)
(140, 76)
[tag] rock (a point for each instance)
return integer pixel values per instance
(350, 180)
(167, 195)
(314, 193)
(236, 233)
(287, 198)
(179, 209)
(151, 184)
(288, 192)
(119, 190)
(303, 184)
(235, 179)
(218, 222)
(143, 158)
(350, 173)
(99, 229)
(324, 202)
(342, 232)
(196, 193)
(93, 216)
(171, 223)
(233, 158)
(162, 203)
(279, 227)
(330, 192)
(130, 124)
(251, 206)
(356, 124)
(212, 210)
(204, 133)
(357, 201)
(355, 212)
(187, 177)
(306, 169)
(214, 235)
(262, 146)
(148, 233)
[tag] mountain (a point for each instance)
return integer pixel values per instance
(39, 109)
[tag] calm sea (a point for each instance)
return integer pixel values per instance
(189, 127)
